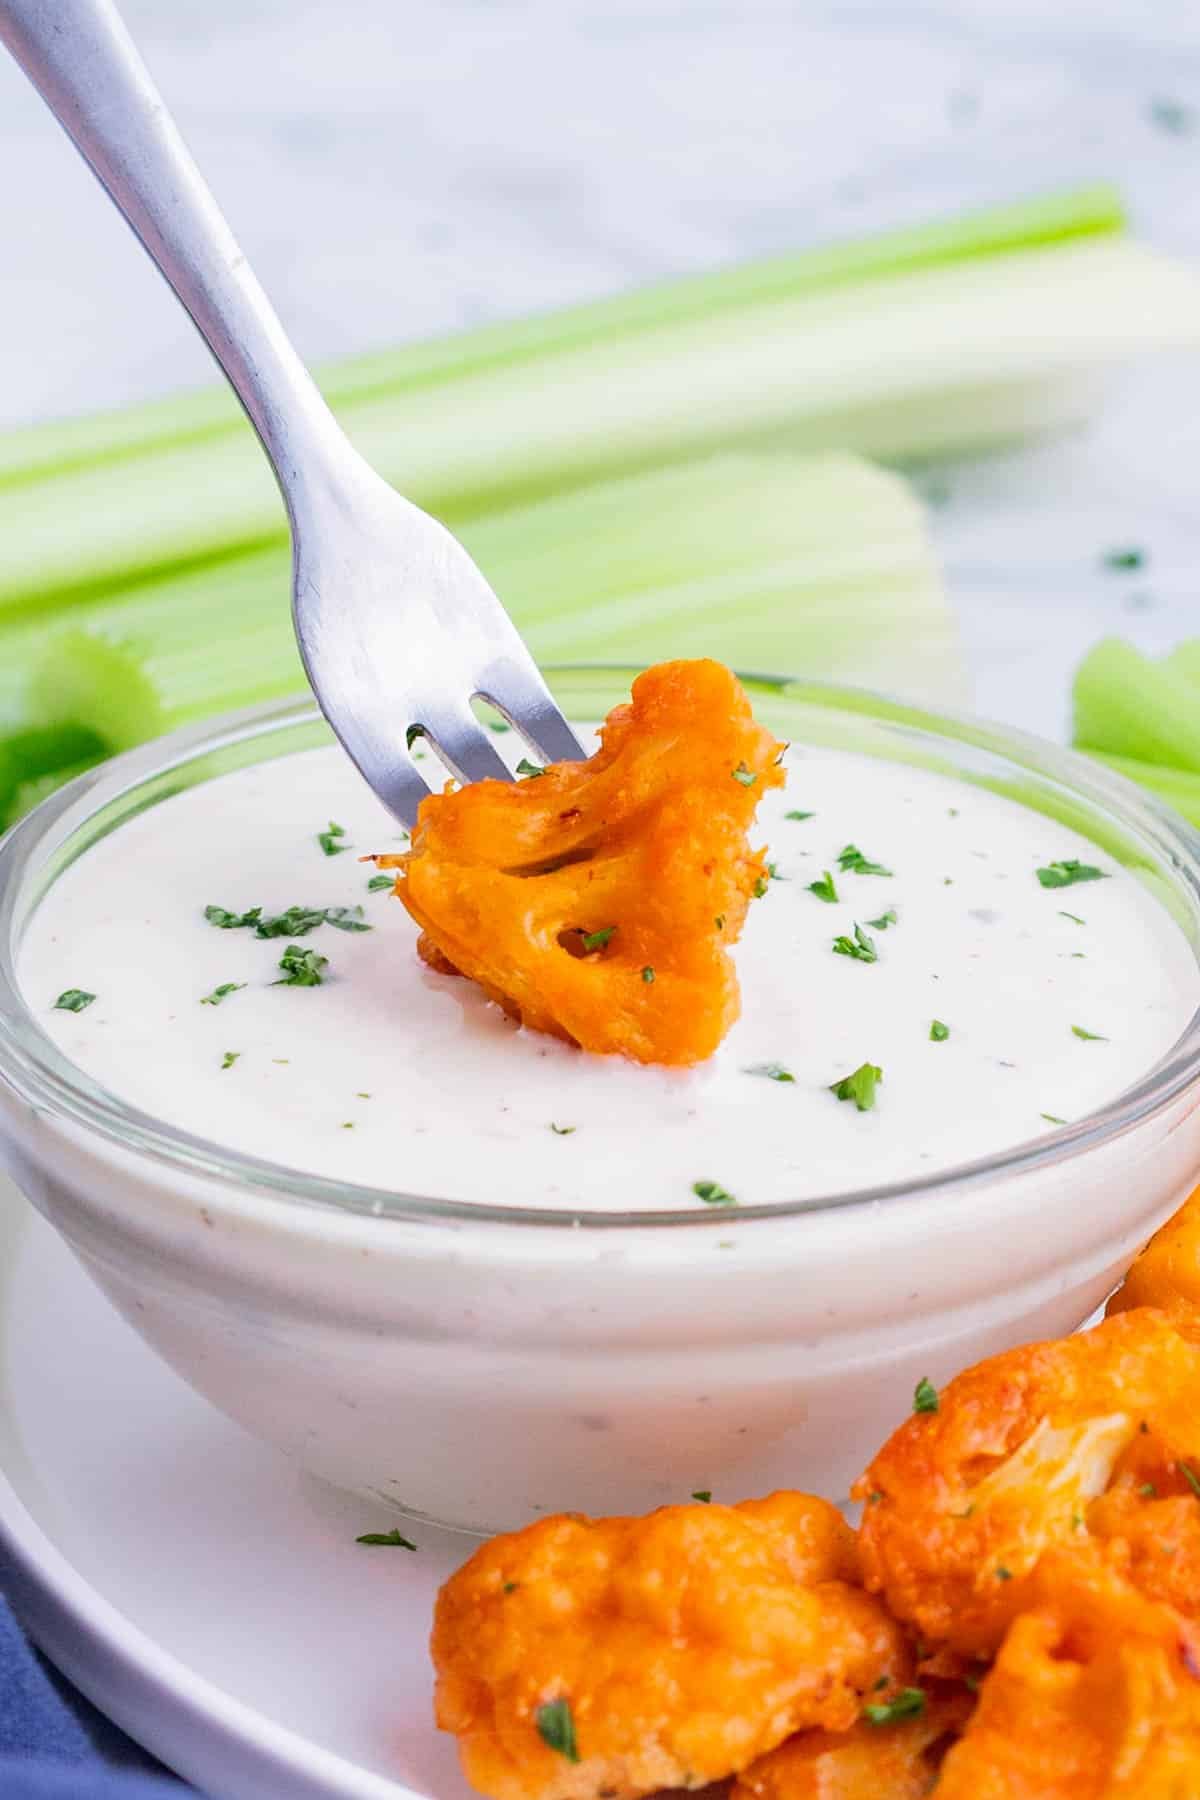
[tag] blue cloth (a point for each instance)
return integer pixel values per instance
(54, 1746)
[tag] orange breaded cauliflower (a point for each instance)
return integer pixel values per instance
(599, 901)
(1095, 1695)
(962, 1502)
(1167, 1273)
(611, 1657)
(897, 1761)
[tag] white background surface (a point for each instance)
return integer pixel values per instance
(398, 167)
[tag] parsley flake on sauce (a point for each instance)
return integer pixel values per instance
(529, 769)
(1074, 917)
(221, 993)
(907, 1704)
(1069, 872)
(851, 861)
(229, 1058)
(713, 1194)
(328, 839)
(859, 1086)
(1190, 1476)
(73, 1000)
(760, 887)
(1089, 1037)
(647, 974)
(925, 1396)
(562, 1130)
(394, 1539)
(773, 1071)
(824, 888)
(795, 814)
(377, 884)
(346, 918)
(938, 1032)
(596, 940)
(704, 1495)
(1052, 1118)
(884, 920)
(1126, 557)
(231, 921)
(556, 1728)
(297, 921)
(860, 947)
(301, 968)
(746, 776)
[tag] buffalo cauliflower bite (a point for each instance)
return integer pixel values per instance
(887, 1761)
(1095, 1695)
(601, 1659)
(962, 1502)
(599, 900)
(1167, 1273)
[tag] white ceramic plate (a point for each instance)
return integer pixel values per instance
(204, 1593)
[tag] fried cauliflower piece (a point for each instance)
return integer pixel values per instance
(896, 1761)
(1095, 1695)
(961, 1503)
(1167, 1273)
(599, 901)
(583, 1658)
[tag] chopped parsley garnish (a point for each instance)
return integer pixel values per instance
(297, 921)
(925, 1396)
(746, 776)
(1172, 116)
(377, 884)
(556, 1728)
(499, 725)
(860, 946)
(824, 888)
(562, 1130)
(229, 1058)
(773, 872)
(1089, 1037)
(704, 1495)
(1126, 557)
(851, 861)
(301, 968)
(907, 1704)
(647, 974)
(1074, 917)
(529, 769)
(859, 1086)
(799, 815)
(884, 920)
(394, 1538)
(1052, 1118)
(1069, 872)
(719, 921)
(346, 918)
(938, 1032)
(772, 1070)
(220, 993)
(1003, 1574)
(73, 1000)
(760, 887)
(231, 921)
(596, 940)
(1148, 1491)
(713, 1194)
(1190, 1476)
(328, 839)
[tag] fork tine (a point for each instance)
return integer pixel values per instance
(463, 744)
(526, 702)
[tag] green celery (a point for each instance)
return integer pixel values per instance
(814, 563)
(1129, 706)
(946, 338)
(1178, 787)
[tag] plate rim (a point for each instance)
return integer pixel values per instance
(200, 1730)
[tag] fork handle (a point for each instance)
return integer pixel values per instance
(83, 62)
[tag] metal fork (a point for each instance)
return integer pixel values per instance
(398, 629)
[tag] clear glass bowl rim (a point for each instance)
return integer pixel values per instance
(32, 1066)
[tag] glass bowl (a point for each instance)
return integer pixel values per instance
(479, 1364)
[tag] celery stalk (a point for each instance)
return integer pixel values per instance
(1128, 706)
(1184, 660)
(953, 338)
(1178, 787)
(818, 565)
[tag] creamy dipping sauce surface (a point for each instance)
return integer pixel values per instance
(389, 1075)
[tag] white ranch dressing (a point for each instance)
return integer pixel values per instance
(390, 1075)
